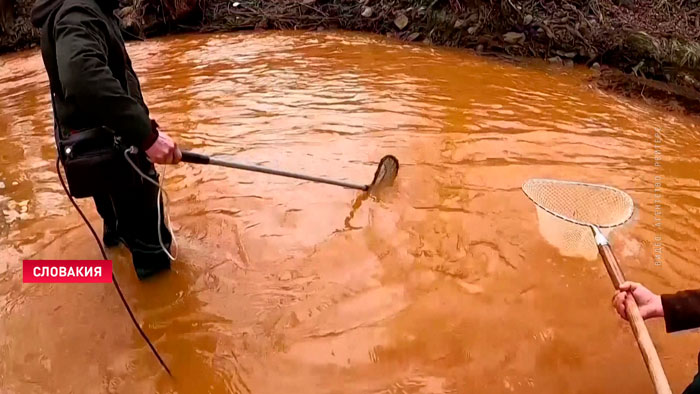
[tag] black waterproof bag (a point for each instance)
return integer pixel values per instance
(94, 163)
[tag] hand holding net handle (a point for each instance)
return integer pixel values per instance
(651, 357)
(594, 206)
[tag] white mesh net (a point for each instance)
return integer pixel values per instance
(572, 240)
(581, 203)
(565, 210)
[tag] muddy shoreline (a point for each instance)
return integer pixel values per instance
(644, 48)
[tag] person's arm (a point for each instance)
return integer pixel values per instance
(681, 311)
(81, 54)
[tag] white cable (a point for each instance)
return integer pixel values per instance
(161, 192)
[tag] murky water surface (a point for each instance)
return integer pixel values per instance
(446, 284)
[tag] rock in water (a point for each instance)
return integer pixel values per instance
(514, 38)
(401, 21)
(367, 12)
(568, 55)
(554, 59)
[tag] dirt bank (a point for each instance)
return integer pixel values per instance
(652, 40)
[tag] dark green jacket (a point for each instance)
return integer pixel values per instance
(681, 310)
(96, 84)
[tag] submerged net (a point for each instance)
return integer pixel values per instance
(385, 175)
(581, 203)
(571, 240)
(566, 209)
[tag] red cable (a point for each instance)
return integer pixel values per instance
(114, 279)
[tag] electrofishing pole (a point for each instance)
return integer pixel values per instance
(385, 174)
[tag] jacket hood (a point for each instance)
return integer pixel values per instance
(41, 11)
(43, 8)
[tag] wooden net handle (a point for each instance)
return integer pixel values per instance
(651, 357)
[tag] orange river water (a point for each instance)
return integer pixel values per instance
(449, 282)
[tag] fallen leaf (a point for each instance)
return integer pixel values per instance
(367, 12)
(401, 21)
(513, 37)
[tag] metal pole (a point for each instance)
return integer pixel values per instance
(251, 167)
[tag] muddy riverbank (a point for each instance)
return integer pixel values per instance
(451, 282)
(650, 45)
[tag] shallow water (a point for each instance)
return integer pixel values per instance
(448, 283)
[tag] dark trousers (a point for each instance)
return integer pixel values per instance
(133, 212)
(694, 387)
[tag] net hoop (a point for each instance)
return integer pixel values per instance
(629, 203)
(386, 173)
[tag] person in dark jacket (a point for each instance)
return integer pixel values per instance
(681, 311)
(93, 85)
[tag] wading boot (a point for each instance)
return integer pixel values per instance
(110, 237)
(149, 264)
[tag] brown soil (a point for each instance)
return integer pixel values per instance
(653, 40)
